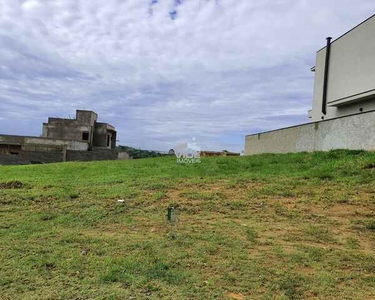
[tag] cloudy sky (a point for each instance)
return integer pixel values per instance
(164, 71)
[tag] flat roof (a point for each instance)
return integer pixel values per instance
(109, 126)
(85, 110)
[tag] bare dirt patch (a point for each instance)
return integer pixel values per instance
(13, 184)
(235, 296)
(369, 166)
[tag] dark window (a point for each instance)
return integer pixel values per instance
(14, 149)
(85, 136)
(108, 140)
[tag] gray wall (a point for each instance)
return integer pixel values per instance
(102, 132)
(95, 154)
(67, 130)
(100, 135)
(71, 129)
(351, 132)
(351, 74)
(42, 144)
(123, 155)
(28, 157)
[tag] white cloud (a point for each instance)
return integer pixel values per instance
(30, 5)
(221, 68)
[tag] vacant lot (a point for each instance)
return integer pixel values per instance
(296, 226)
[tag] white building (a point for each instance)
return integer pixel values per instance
(345, 74)
(343, 113)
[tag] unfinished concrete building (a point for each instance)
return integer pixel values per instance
(79, 139)
(83, 128)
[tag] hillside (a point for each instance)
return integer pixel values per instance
(293, 226)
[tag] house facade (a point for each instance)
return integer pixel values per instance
(345, 74)
(343, 110)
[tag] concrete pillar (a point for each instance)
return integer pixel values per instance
(64, 153)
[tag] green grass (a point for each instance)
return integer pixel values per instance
(294, 226)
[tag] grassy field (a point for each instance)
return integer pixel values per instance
(295, 226)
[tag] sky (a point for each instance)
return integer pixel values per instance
(166, 71)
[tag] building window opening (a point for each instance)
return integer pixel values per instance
(108, 140)
(10, 149)
(85, 136)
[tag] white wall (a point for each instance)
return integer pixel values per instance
(354, 132)
(351, 72)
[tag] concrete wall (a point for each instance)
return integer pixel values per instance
(86, 117)
(42, 144)
(28, 157)
(351, 77)
(72, 129)
(100, 135)
(354, 132)
(104, 133)
(70, 145)
(95, 154)
(67, 129)
(123, 155)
